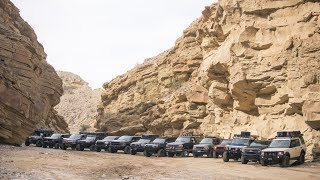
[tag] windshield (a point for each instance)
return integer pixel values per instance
(240, 142)
(280, 144)
(259, 143)
(144, 141)
(36, 133)
(75, 136)
(206, 141)
(226, 142)
(90, 138)
(183, 139)
(159, 140)
(110, 138)
(55, 135)
(126, 138)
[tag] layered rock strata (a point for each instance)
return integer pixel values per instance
(243, 65)
(29, 86)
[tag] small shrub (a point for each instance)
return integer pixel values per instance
(84, 127)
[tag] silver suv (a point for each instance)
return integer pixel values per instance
(287, 148)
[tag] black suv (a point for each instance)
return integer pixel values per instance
(205, 147)
(123, 143)
(158, 147)
(233, 150)
(55, 140)
(253, 152)
(37, 137)
(139, 146)
(104, 143)
(182, 146)
(90, 141)
(72, 141)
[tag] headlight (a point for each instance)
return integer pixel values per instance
(180, 146)
(262, 153)
(243, 150)
(280, 153)
(106, 143)
(167, 145)
(123, 143)
(206, 147)
(214, 148)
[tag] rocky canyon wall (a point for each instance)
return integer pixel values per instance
(29, 86)
(243, 65)
(79, 102)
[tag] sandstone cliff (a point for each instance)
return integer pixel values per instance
(79, 102)
(29, 86)
(243, 65)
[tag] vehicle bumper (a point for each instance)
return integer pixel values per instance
(200, 152)
(70, 144)
(117, 147)
(176, 150)
(272, 159)
(234, 154)
(102, 146)
(137, 149)
(252, 157)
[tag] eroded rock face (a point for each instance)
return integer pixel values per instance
(243, 65)
(79, 102)
(29, 86)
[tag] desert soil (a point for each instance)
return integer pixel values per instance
(40, 163)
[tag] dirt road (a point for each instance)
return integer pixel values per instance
(40, 163)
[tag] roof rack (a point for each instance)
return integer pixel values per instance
(289, 134)
(244, 134)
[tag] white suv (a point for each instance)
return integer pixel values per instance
(285, 149)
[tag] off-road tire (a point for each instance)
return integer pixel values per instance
(214, 154)
(92, 148)
(112, 150)
(210, 155)
(170, 154)
(50, 146)
(98, 149)
(285, 161)
(63, 147)
(161, 153)
(147, 154)
(244, 160)
(57, 146)
(132, 152)
(73, 147)
(27, 143)
(44, 146)
(263, 162)
(39, 143)
(301, 158)
(127, 150)
(225, 157)
(185, 153)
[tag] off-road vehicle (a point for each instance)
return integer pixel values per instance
(104, 143)
(233, 150)
(90, 141)
(288, 147)
(158, 146)
(183, 146)
(219, 149)
(37, 137)
(123, 144)
(72, 141)
(55, 140)
(205, 147)
(253, 151)
(139, 146)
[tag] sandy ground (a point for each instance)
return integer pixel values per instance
(40, 163)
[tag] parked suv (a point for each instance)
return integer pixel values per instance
(158, 147)
(72, 141)
(219, 149)
(37, 137)
(205, 147)
(55, 140)
(253, 152)
(233, 150)
(104, 143)
(90, 141)
(139, 146)
(288, 147)
(123, 144)
(182, 146)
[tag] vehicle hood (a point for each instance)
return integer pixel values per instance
(275, 149)
(119, 141)
(35, 137)
(50, 138)
(138, 143)
(220, 146)
(176, 143)
(202, 145)
(236, 146)
(84, 141)
(253, 148)
(71, 140)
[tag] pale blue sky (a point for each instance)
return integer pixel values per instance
(100, 39)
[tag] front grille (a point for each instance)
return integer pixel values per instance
(252, 152)
(199, 148)
(115, 143)
(271, 154)
(100, 143)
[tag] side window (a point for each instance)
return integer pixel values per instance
(302, 140)
(295, 143)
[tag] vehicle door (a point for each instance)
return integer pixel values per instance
(295, 148)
